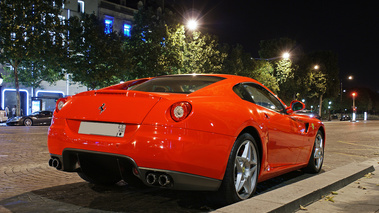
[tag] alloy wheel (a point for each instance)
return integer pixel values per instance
(319, 151)
(245, 169)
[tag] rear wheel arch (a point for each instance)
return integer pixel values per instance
(242, 170)
(254, 132)
(322, 129)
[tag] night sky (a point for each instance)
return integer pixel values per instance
(348, 28)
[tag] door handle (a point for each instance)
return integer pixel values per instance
(267, 116)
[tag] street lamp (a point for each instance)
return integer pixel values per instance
(316, 67)
(329, 117)
(192, 24)
(285, 55)
(354, 109)
(350, 77)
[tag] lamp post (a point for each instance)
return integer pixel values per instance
(353, 119)
(192, 26)
(317, 67)
(285, 55)
(1, 85)
(329, 117)
(350, 77)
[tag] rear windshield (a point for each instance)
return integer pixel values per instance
(176, 84)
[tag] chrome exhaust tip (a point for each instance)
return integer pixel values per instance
(164, 180)
(151, 178)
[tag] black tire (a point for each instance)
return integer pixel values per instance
(28, 122)
(242, 171)
(317, 157)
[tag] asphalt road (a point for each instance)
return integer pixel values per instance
(28, 184)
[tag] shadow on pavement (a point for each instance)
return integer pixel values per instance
(85, 197)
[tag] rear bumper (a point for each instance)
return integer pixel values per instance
(196, 160)
(178, 180)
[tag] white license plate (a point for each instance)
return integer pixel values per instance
(106, 129)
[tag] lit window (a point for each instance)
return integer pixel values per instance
(108, 25)
(127, 30)
(80, 6)
(62, 19)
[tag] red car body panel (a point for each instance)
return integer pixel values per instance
(200, 144)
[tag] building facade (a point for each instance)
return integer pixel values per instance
(116, 16)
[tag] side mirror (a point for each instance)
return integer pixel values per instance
(295, 106)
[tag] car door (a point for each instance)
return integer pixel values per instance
(45, 117)
(283, 131)
(38, 118)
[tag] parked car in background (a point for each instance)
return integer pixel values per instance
(36, 118)
(310, 113)
(345, 117)
(220, 133)
(3, 116)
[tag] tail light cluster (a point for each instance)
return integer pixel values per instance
(180, 110)
(60, 104)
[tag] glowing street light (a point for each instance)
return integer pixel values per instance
(316, 67)
(286, 55)
(192, 24)
(350, 77)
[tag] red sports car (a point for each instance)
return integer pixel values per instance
(219, 133)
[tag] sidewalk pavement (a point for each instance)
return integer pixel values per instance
(350, 188)
(360, 196)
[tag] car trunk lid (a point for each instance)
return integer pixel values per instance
(115, 106)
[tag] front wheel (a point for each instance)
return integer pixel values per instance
(317, 157)
(28, 122)
(241, 175)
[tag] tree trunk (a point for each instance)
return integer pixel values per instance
(18, 98)
(320, 108)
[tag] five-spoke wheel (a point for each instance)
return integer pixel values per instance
(28, 122)
(245, 169)
(241, 175)
(317, 157)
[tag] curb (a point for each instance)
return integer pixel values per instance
(290, 197)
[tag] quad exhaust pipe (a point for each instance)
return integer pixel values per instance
(164, 180)
(54, 162)
(151, 178)
(158, 179)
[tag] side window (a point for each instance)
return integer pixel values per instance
(240, 90)
(258, 95)
(264, 98)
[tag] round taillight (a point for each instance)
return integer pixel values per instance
(60, 104)
(180, 110)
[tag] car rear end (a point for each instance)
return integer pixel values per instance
(142, 131)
